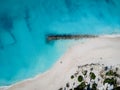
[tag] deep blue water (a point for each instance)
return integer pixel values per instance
(24, 25)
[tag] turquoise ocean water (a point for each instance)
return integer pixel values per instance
(24, 25)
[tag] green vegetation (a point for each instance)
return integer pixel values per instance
(110, 81)
(80, 78)
(94, 86)
(110, 73)
(117, 88)
(67, 85)
(92, 75)
(91, 69)
(82, 86)
(72, 77)
(88, 80)
(116, 75)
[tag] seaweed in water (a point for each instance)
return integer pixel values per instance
(27, 17)
(101, 16)
(6, 22)
(110, 1)
(107, 1)
(72, 6)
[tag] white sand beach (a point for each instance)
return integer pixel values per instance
(103, 50)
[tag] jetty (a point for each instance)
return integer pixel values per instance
(68, 36)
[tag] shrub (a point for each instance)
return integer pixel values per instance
(110, 73)
(67, 85)
(92, 75)
(80, 78)
(72, 77)
(110, 81)
(94, 86)
(116, 75)
(82, 86)
(117, 88)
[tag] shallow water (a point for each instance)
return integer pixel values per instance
(23, 49)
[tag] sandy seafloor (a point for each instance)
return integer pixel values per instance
(103, 50)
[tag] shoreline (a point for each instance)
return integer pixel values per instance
(91, 40)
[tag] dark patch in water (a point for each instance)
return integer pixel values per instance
(113, 3)
(6, 22)
(101, 15)
(107, 1)
(72, 6)
(27, 17)
(68, 5)
(110, 2)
